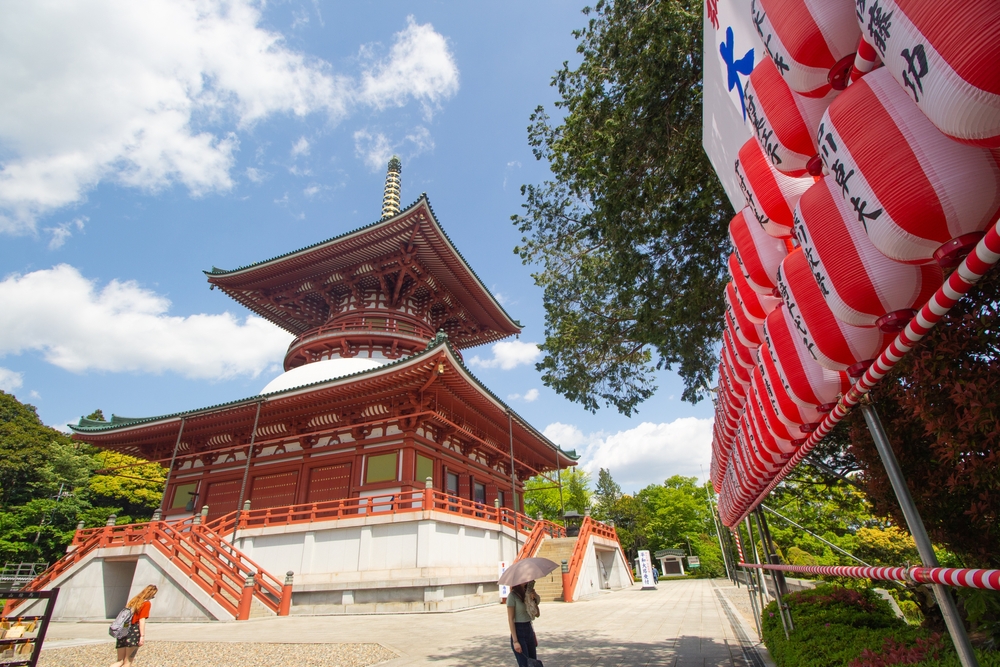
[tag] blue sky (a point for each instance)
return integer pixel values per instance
(143, 143)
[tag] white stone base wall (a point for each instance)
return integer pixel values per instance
(604, 569)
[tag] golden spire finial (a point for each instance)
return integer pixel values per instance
(390, 200)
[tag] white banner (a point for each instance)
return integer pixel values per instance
(646, 570)
(501, 568)
(732, 49)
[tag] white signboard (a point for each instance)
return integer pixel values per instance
(646, 570)
(501, 568)
(732, 49)
(693, 562)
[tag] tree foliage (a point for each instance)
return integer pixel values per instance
(48, 485)
(630, 233)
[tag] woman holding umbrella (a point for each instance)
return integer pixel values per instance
(522, 606)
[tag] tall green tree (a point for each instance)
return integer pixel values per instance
(630, 232)
(48, 485)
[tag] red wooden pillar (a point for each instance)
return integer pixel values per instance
(246, 599)
(285, 605)
(410, 467)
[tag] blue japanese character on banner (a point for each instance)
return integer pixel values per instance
(736, 67)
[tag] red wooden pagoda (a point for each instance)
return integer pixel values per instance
(375, 398)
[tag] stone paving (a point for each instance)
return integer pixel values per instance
(681, 624)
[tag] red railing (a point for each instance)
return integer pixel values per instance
(587, 529)
(541, 530)
(387, 325)
(399, 502)
(951, 576)
(203, 555)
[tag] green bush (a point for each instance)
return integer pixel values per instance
(911, 611)
(833, 625)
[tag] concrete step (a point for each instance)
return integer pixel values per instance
(549, 588)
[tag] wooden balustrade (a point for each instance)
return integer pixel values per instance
(539, 532)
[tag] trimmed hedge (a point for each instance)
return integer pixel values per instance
(841, 627)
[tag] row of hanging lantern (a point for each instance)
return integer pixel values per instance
(863, 183)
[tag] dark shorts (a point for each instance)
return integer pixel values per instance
(131, 639)
(526, 638)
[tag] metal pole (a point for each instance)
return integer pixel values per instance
(757, 613)
(777, 578)
(762, 585)
(722, 548)
(170, 470)
(916, 525)
(246, 469)
(513, 482)
(562, 507)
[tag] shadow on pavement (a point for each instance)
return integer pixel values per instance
(576, 649)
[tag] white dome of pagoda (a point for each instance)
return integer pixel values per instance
(319, 371)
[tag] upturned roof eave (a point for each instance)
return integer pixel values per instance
(120, 425)
(216, 273)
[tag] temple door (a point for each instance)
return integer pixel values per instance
(273, 490)
(222, 497)
(329, 483)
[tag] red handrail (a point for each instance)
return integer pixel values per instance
(541, 530)
(397, 502)
(213, 564)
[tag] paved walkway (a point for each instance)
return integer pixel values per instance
(681, 624)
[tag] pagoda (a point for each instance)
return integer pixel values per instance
(377, 467)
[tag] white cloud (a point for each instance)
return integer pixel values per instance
(63, 231)
(256, 175)
(646, 454)
(123, 327)
(419, 66)
(375, 149)
(508, 355)
(301, 147)
(10, 380)
(151, 94)
(529, 396)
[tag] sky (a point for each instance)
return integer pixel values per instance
(143, 143)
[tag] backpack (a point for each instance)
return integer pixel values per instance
(531, 600)
(122, 624)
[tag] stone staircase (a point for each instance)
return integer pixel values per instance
(550, 587)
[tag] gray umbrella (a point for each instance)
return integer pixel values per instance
(526, 570)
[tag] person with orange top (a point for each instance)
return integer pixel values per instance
(129, 645)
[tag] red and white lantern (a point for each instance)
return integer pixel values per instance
(791, 433)
(946, 56)
(808, 384)
(812, 42)
(862, 286)
(758, 254)
(919, 195)
(755, 306)
(833, 343)
(783, 121)
(789, 412)
(742, 354)
(746, 332)
(770, 195)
